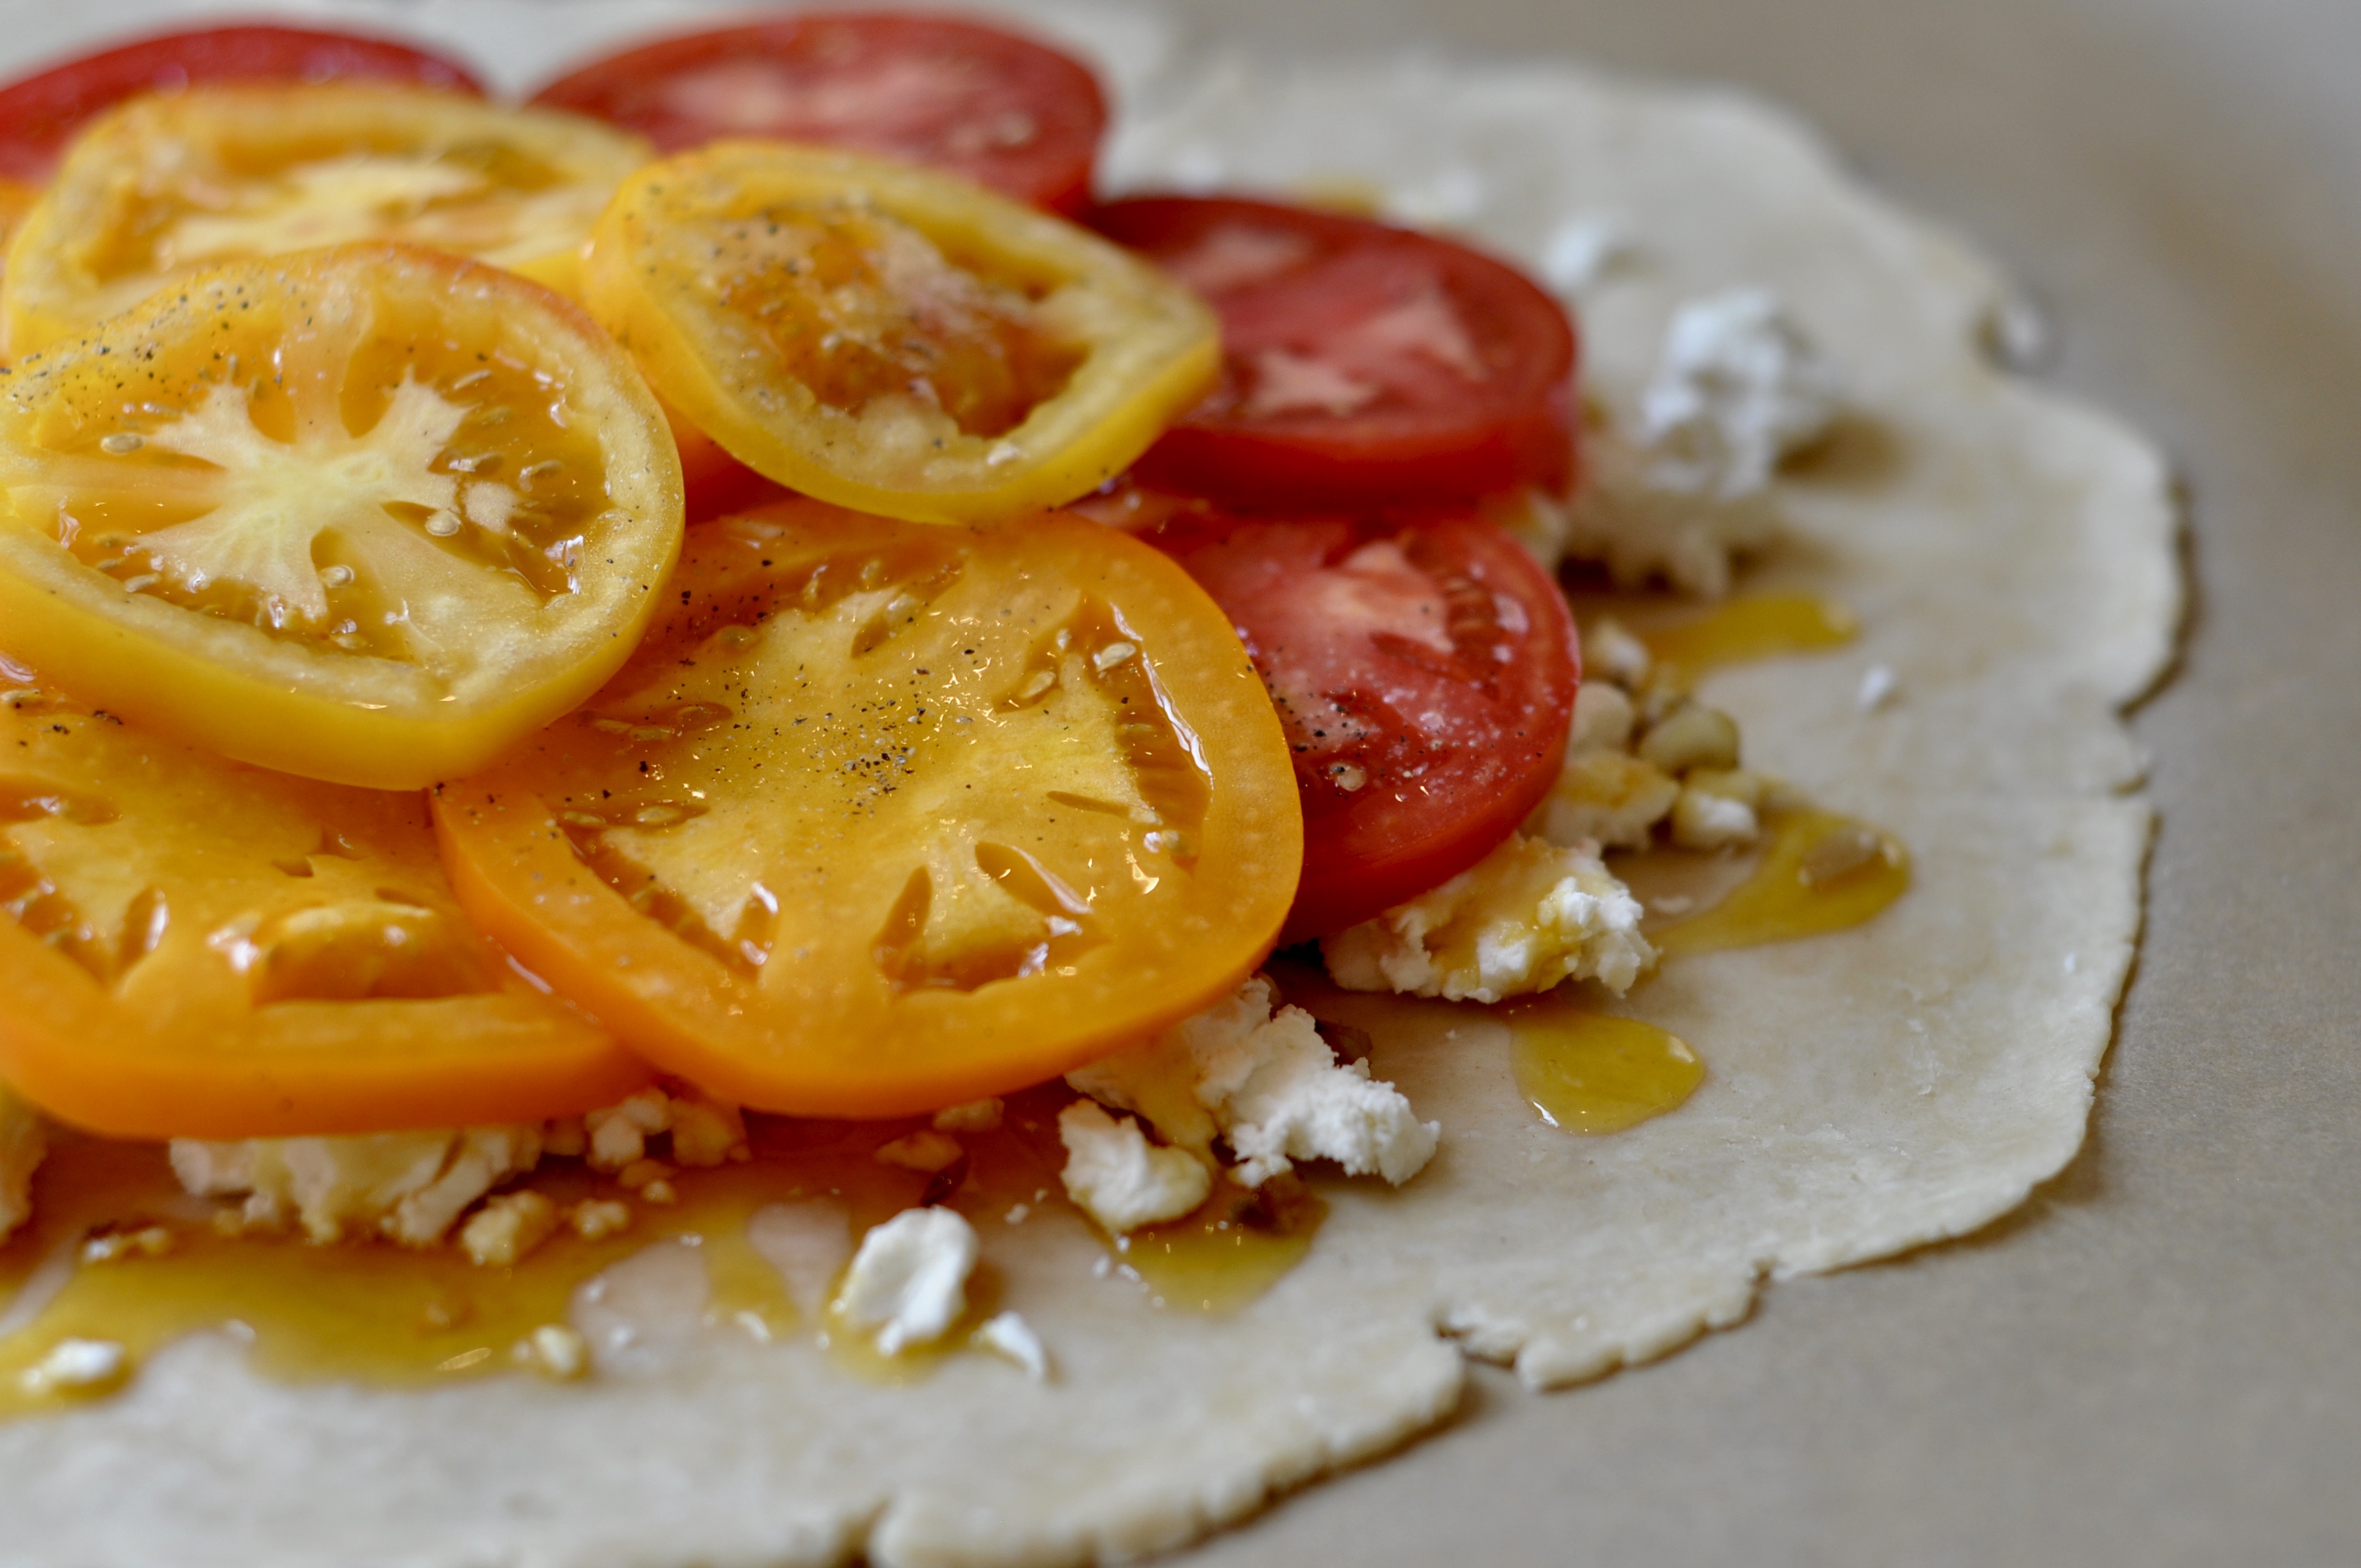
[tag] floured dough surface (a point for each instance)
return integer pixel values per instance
(2009, 557)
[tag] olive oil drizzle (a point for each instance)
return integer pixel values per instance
(392, 1317)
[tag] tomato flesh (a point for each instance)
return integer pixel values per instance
(991, 106)
(168, 185)
(1362, 365)
(41, 113)
(190, 947)
(889, 338)
(366, 514)
(1425, 674)
(884, 816)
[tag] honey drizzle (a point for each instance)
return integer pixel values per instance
(1741, 631)
(394, 1316)
(1802, 886)
(1588, 1072)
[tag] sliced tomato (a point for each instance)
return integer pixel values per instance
(890, 339)
(190, 947)
(885, 817)
(1425, 674)
(165, 186)
(1362, 365)
(991, 106)
(39, 113)
(368, 514)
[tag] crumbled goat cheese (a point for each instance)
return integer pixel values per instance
(1633, 519)
(1721, 806)
(1526, 916)
(1702, 820)
(1738, 390)
(22, 1144)
(1611, 652)
(619, 1133)
(77, 1366)
(1121, 1180)
(1257, 1075)
(1605, 797)
(975, 1116)
(1008, 1335)
(908, 1282)
(507, 1228)
(407, 1187)
(1583, 250)
(1603, 719)
(1691, 736)
(595, 1219)
(554, 1350)
(928, 1152)
(703, 1132)
(1877, 688)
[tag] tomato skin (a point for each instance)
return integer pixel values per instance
(41, 114)
(252, 985)
(1053, 101)
(1427, 710)
(887, 338)
(1057, 730)
(1484, 407)
(495, 660)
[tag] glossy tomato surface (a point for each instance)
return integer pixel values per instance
(39, 113)
(368, 514)
(1363, 364)
(889, 337)
(1424, 673)
(190, 947)
(883, 817)
(999, 109)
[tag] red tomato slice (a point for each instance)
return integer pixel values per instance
(1363, 364)
(1425, 674)
(996, 108)
(41, 114)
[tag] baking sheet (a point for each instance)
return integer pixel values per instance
(2160, 1359)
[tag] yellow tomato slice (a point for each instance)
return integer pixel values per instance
(193, 948)
(368, 514)
(882, 817)
(168, 185)
(891, 338)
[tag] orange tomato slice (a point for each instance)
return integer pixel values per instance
(190, 947)
(368, 514)
(893, 338)
(169, 185)
(882, 818)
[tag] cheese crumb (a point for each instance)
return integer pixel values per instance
(1006, 1334)
(22, 1144)
(595, 1219)
(507, 1228)
(406, 1187)
(975, 1116)
(706, 1131)
(1739, 388)
(77, 1366)
(557, 1351)
(907, 1284)
(1528, 915)
(1739, 391)
(1257, 1075)
(148, 1241)
(619, 1133)
(1121, 1180)
(926, 1152)
(1605, 797)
